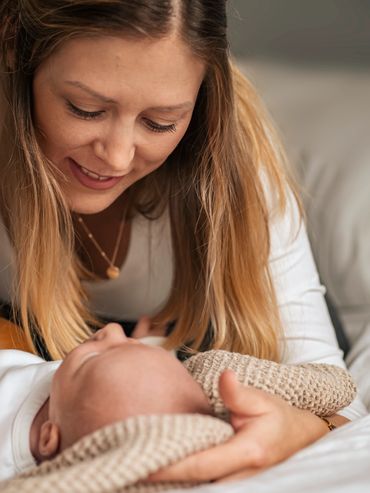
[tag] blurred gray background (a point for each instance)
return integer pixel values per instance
(310, 61)
(320, 31)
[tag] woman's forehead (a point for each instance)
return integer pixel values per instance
(112, 66)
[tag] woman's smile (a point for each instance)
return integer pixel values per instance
(92, 180)
(97, 176)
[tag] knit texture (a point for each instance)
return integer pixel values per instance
(319, 388)
(116, 457)
(119, 457)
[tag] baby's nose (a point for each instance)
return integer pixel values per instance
(114, 331)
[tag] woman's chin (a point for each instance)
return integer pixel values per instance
(90, 205)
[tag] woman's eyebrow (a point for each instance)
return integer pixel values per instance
(183, 106)
(105, 99)
(92, 92)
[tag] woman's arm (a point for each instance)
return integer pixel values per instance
(309, 335)
(268, 430)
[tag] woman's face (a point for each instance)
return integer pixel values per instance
(109, 111)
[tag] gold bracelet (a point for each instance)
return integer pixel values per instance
(329, 424)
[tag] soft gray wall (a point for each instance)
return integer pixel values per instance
(321, 31)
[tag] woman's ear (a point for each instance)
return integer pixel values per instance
(49, 440)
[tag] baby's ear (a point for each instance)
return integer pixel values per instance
(49, 440)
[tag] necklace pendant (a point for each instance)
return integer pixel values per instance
(112, 272)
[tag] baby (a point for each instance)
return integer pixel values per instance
(48, 406)
(104, 380)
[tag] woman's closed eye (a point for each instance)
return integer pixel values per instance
(93, 115)
(156, 127)
(85, 115)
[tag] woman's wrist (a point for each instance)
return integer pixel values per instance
(331, 426)
(337, 420)
(319, 427)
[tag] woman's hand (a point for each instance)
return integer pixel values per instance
(142, 328)
(145, 328)
(267, 431)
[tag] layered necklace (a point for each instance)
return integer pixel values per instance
(113, 271)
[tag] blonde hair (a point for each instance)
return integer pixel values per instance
(213, 185)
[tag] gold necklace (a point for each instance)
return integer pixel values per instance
(112, 271)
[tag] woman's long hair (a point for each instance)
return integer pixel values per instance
(213, 184)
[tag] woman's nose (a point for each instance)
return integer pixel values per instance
(117, 150)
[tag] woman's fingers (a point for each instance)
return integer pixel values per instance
(212, 464)
(142, 328)
(241, 400)
(247, 473)
(145, 328)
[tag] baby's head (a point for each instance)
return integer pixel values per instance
(109, 378)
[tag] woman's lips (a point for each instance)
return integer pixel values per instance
(92, 180)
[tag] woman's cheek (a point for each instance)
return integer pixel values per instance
(161, 148)
(57, 135)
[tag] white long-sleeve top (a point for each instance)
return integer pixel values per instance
(144, 284)
(25, 381)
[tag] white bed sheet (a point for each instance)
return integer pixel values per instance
(358, 361)
(338, 463)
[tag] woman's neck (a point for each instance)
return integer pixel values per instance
(104, 227)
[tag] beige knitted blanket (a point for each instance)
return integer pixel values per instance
(119, 457)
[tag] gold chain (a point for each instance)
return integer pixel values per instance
(112, 271)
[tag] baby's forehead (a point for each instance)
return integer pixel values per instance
(135, 355)
(131, 368)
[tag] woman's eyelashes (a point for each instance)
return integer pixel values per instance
(156, 127)
(85, 115)
(93, 115)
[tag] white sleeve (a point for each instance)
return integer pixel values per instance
(308, 334)
(21, 397)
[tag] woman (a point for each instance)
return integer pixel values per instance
(140, 176)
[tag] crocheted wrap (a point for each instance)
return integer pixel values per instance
(119, 457)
